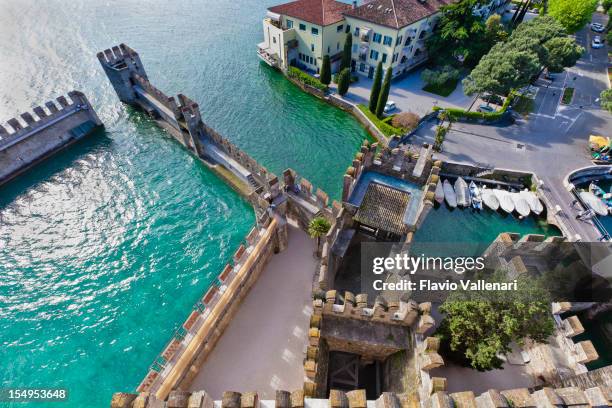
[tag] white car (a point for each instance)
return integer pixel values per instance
(389, 107)
(597, 27)
(596, 43)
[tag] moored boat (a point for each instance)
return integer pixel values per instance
(439, 194)
(594, 202)
(475, 196)
(505, 202)
(520, 204)
(534, 202)
(449, 194)
(490, 199)
(462, 192)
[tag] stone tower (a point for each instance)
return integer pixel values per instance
(120, 64)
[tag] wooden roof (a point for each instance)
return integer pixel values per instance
(383, 208)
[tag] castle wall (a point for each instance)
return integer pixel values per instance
(35, 137)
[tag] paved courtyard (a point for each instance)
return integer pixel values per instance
(408, 94)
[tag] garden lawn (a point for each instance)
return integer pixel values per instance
(445, 89)
(385, 128)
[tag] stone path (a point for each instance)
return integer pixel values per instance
(263, 347)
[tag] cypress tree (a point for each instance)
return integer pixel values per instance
(344, 79)
(384, 94)
(375, 91)
(325, 74)
(346, 52)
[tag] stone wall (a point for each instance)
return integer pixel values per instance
(35, 136)
(191, 344)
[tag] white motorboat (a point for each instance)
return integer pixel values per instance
(490, 199)
(439, 194)
(520, 204)
(475, 196)
(505, 202)
(534, 202)
(594, 202)
(462, 192)
(449, 194)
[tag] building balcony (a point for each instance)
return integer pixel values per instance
(267, 56)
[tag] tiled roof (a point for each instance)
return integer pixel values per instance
(396, 13)
(383, 207)
(320, 12)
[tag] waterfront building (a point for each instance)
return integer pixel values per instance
(393, 32)
(301, 32)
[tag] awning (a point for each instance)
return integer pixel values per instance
(273, 16)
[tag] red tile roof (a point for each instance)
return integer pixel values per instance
(320, 12)
(396, 13)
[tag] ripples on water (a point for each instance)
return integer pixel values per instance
(105, 247)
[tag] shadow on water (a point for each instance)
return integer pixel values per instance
(57, 163)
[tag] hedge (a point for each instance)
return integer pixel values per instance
(455, 113)
(384, 127)
(304, 78)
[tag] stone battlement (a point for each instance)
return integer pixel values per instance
(32, 137)
(182, 117)
(195, 339)
(597, 396)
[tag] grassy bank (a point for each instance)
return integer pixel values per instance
(382, 125)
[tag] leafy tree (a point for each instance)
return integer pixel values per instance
(375, 91)
(344, 80)
(513, 63)
(502, 70)
(459, 34)
(384, 94)
(562, 52)
(318, 227)
(606, 99)
(346, 52)
(607, 5)
(405, 120)
(479, 325)
(572, 14)
(325, 74)
(495, 30)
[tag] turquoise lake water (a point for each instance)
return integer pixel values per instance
(105, 247)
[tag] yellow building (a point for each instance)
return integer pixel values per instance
(391, 31)
(301, 32)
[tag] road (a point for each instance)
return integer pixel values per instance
(553, 141)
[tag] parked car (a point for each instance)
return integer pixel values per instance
(486, 109)
(598, 28)
(389, 107)
(596, 43)
(549, 76)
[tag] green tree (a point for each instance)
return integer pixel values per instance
(572, 14)
(479, 325)
(502, 70)
(440, 76)
(375, 91)
(344, 80)
(346, 52)
(562, 52)
(495, 30)
(606, 99)
(607, 5)
(384, 94)
(513, 63)
(459, 35)
(325, 74)
(318, 227)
